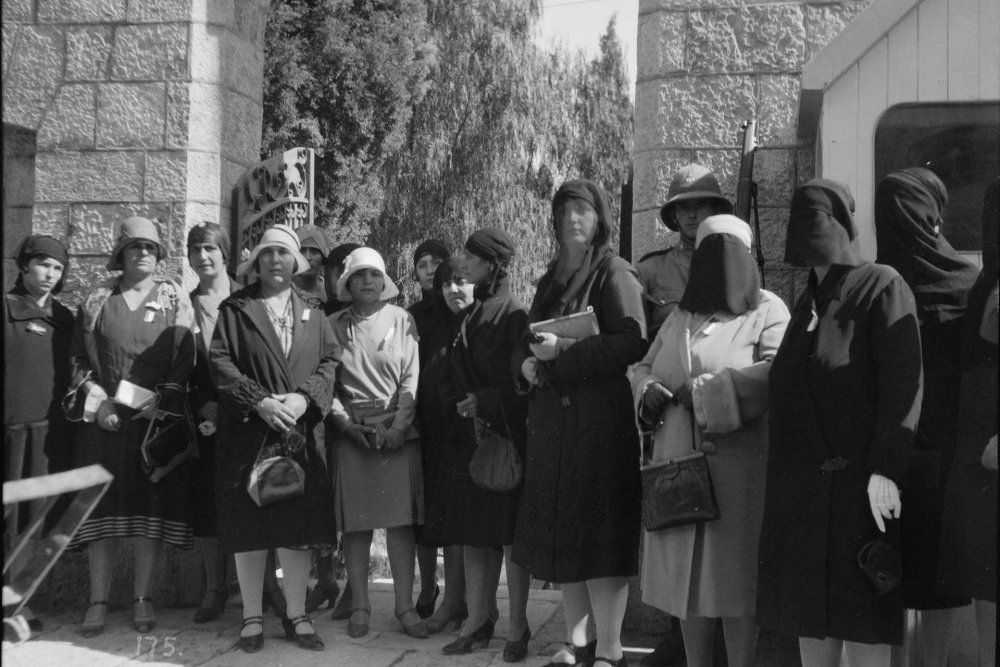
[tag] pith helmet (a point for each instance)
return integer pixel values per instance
(692, 181)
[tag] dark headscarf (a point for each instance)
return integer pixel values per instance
(493, 245)
(40, 245)
(723, 277)
(593, 194)
(908, 207)
(821, 226)
(430, 247)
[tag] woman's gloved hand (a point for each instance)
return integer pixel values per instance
(683, 395)
(361, 435)
(468, 406)
(107, 417)
(529, 369)
(883, 494)
(655, 399)
(989, 459)
(550, 346)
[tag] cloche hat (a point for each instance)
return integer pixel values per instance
(135, 229)
(279, 235)
(365, 258)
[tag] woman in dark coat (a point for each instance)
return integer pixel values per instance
(579, 520)
(845, 392)
(968, 560)
(37, 333)
(908, 206)
(480, 391)
(450, 294)
(275, 363)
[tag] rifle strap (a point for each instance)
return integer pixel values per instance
(756, 224)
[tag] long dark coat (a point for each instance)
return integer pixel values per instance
(581, 503)
(249, 365)
(478, 363)
(849, 390)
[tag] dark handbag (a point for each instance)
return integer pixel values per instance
(677, 492)
(881, 564)
(276, 475)
(495, 465)
(170, 437)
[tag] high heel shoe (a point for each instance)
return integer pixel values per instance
(479, 638)
(310, 641)
(416, 629)
(516, 651)
(255, 642)
(425, 610)
(620, 662)
(93, 622)
(343, 609)
(436, 625)
(143, 614)
(211, 607)
(324, 591)
(582, 655)
(357, 630)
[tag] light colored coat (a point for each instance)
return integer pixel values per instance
(710, 569)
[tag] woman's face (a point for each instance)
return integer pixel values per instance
(41, 275)
(314, 257)
(577, 222)
(475, 269)
(425, 268)
(690, 213)
(206, 260)
(276, 266)
(139, 259)
(457, 293)
(366, 285)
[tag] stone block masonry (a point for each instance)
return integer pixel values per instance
(705, 66)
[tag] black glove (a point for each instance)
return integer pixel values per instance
(654, 401)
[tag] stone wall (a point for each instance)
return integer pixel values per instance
(704, 66)
(141, 107)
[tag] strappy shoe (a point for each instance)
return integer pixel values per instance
(357, 630)
(416, 629)
(310, 641)
(143, 614)
(425, 610)
(211, 607)
(93, 622)
(255, 642)
(582, 655)
(516, 651)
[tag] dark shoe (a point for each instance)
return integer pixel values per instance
(93, 622)
(357, 630)
(251, 643)
(436, 625)
(516, 651)
(479, 638)
(416, 629)
(143, 614)
(582, 655)
(211, 607)
(325, 591)
(668, 652)
(343, 609)
(310, 641)
(425, 610)
(620, 662)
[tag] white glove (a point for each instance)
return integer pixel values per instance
(883, 494)
(529, 369)
(989, 459)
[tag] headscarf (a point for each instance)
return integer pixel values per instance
(495, 246)
(430, 247)
(40, 245)
(212, 233)
(908, 206)
(723, 273)
(593, 194)
(821, 229)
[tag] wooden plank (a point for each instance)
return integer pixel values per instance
(873, 100)
(989, 50)
(903, 59)
(932, 47)
(840, 130)
(963, 49)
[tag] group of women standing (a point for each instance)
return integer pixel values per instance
(803, 491)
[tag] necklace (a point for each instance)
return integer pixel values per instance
(283, 319)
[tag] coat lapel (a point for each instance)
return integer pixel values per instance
(300, 331)
(257, 314)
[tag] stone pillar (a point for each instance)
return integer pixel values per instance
(703, 68)
(138, 107)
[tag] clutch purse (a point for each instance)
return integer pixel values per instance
(275, 475)
(881, 564)
(495, 465)
(678, 492)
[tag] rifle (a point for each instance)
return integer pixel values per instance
(746, 189)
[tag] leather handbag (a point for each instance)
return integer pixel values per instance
(677, 492)
(495, 465)
(276, 475)
(170, 438)
(882, 566)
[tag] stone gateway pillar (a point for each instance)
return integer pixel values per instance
(135, 107)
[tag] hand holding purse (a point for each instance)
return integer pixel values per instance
(495, 465)
(275, 475)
